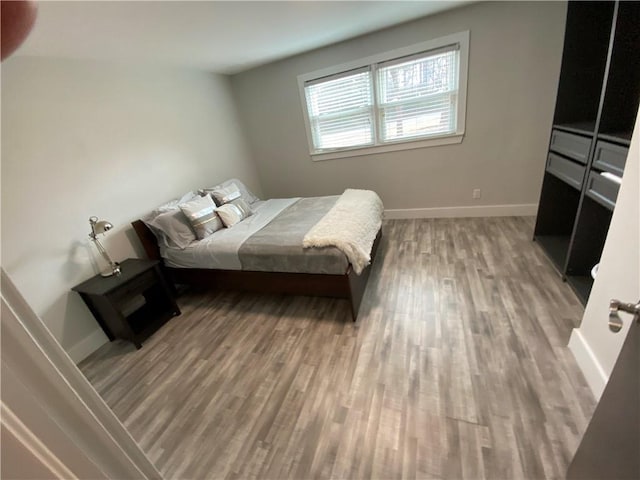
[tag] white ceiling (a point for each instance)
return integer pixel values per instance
(224, 37)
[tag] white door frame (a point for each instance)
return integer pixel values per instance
(52, 410)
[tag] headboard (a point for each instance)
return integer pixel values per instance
(148, 239)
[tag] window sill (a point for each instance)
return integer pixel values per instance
(391, 147)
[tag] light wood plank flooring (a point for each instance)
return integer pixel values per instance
(456, 368)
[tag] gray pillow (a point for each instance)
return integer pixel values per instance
(172, 205)
(234, 212)
(245, 193)
(201, 213)
(223, 195)
(172, 228)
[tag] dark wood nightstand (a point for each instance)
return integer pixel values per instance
(131, 305)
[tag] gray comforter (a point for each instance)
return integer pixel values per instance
(277, 247)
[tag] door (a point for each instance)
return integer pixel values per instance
(594, 346)
(610, 448)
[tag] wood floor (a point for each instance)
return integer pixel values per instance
(456, 368)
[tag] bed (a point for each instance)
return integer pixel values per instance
(284, 246)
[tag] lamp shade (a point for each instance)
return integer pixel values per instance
(99, 227)
(102, 226)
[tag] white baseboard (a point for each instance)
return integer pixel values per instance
(87, 346)
(519, 210)
(588, 363)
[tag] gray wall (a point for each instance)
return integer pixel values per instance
(88, 138)
(514, 64)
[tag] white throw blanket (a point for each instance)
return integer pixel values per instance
(351, 226)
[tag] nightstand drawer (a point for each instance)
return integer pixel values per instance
(134, 287)
(570, 145)
(610, 157)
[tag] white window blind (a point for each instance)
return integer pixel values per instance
(341, 110)
(417, 95)
(411, 97)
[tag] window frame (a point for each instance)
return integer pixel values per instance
(460, 38)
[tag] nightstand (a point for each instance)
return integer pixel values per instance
(131, 305)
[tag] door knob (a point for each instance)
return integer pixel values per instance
(615, 322)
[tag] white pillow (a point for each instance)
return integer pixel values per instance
(201, 213)
(234, 212)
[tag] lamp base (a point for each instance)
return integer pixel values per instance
(114, 269)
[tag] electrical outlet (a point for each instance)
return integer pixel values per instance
(476, 193)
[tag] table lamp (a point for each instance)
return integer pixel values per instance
(99, 227)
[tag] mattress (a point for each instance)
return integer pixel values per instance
(270, 240)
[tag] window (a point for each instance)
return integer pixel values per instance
(408, 98)
(341, 110)
(417, 97)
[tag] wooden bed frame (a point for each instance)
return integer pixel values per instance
(349, 285)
